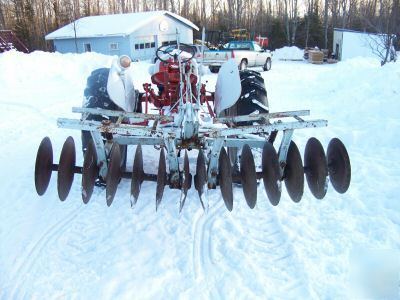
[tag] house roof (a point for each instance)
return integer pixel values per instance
(112, 25)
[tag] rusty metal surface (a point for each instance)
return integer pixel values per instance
(266, 116)
(161, 178)
(339, 166)
(316, 168)
(123, 114)
(200, 179)
(271, 173)
(43, 166)
(266, 129)
(66, 168)
(248, 176)
(294, 173)
(186, 180)
(225, 179)
(114, 173)
(137, 175)
(90, 172)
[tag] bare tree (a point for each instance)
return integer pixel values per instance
(326, 24)
(2, 19)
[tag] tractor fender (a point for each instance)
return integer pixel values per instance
(228, 88)
(120, 86)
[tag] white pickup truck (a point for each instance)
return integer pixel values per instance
(245, 53)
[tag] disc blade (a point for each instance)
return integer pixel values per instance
(200, 178)
(161, 178)
(137, 175)
(186, 182)
(43, 166)
(114, 173)
(271, 173)
(90, 172)
(66, 168)
(248, 176)
(225, 179)
(316, 168)
(339, 166)
(294, 173)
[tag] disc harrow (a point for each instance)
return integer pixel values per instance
(272, 170)
(235, 120)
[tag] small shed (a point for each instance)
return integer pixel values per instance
(350, 43)
(135, 34)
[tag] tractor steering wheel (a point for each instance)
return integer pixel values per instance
(174, 52)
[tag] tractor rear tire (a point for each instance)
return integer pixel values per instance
(96, 96)
(252, 98)
(243, 65)
(214, 69)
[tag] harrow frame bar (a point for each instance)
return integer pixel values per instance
(211, 136)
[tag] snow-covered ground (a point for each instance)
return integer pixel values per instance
(51, 249)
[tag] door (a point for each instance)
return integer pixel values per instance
(259, 55)
(144, 47)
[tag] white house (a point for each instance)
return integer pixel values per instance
(349, 43)
(135, 34)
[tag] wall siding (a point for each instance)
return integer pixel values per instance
(98, 44)
(149, 33)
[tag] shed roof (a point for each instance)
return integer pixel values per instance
(351, 30)
(112, 25)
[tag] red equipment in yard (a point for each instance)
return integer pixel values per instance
(262, 41)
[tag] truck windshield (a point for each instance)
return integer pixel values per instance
(239, 45)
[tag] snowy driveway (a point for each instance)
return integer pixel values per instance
(50, 249)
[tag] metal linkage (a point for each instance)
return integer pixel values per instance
(137, 117)
(258, 117)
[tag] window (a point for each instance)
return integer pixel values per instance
(147, 45)
(142, 46)
(87, 47)
(257, 47)
(239, 45)
(114, 46)
(153, 45)
(136, 46)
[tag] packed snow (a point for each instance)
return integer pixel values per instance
(51, 249)
(288, 53)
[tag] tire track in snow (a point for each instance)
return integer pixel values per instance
(269, 245)
(253, 249)
(202, 247)
(30, 258)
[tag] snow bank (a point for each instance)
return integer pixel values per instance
(51, 249)
(288, 53)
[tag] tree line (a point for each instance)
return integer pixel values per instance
(304, 23)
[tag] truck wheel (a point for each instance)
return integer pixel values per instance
(267, 65)
(96, 96)
(243, 65)
(252, 98)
